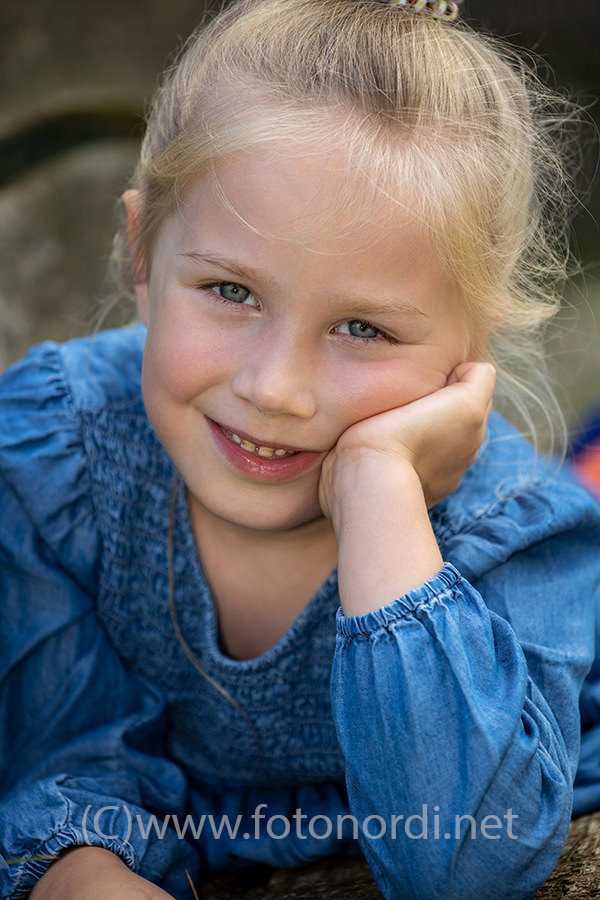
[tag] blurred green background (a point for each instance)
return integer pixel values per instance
(75, 77)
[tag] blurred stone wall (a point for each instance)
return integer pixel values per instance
(75, 76)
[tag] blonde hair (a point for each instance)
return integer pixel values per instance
(429, 114)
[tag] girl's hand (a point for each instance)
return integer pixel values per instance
(91, 873)
(437, 436)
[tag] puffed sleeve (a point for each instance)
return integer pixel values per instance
(81, 738)
(456, 707)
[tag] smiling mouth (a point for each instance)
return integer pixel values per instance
(259, 450)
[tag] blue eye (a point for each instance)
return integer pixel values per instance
(362, 332)
(235, 293)
(359, 329)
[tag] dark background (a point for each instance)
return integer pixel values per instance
(75, 77)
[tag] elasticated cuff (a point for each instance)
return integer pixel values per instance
(29, 869)
(435, 589)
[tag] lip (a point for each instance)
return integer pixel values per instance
(268, 470)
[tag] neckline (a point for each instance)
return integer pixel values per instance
(204, 637)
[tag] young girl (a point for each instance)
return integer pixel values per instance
(276, 582)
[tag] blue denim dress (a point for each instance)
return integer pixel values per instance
(438, 736)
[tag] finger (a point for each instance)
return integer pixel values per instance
(481, 375)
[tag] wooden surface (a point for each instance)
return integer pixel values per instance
(576, 876)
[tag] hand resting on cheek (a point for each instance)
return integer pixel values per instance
(438, 436)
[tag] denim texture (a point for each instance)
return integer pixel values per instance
(466, 697)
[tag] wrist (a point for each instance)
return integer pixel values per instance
(386, 546)
(362, 479)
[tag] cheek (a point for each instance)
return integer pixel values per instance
(179, 363)
(371, 388)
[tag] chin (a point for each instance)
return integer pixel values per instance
(273, 520)
(257, 515)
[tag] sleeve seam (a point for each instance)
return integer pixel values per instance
(77, 414)
(41, 537)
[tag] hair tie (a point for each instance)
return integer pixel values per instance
(439, 9)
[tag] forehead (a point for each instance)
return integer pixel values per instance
(301, 195)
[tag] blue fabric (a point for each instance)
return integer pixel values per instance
(458, 699)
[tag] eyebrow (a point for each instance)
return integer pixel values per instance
(361, 306)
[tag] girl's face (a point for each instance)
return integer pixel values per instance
(257, 332)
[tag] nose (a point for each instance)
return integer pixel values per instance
(277, 381)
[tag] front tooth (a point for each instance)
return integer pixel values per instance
(248, 445)
(267, 452)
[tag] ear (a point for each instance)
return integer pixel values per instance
(132, 201)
